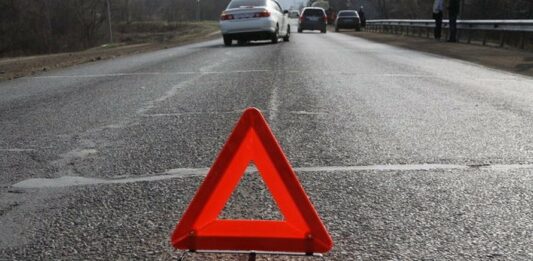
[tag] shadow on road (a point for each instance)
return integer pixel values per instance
(236, 45)
(310, 32)
(253, 44)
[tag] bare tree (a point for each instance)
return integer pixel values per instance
(383, 8)
(90, 16)
(43, 26)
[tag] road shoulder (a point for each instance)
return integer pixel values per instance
(12, 68)
(512, 60)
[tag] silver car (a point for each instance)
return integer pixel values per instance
(249, 20)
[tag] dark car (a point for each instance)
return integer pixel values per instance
(313, 18)
(348, 19)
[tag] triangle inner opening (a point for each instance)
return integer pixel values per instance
(251, 199)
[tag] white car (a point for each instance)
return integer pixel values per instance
(248, 20)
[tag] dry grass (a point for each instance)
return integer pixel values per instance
(132, 38)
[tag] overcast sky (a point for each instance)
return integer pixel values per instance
(289, 3)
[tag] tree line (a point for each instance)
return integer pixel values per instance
(421, 9)
(48, 26)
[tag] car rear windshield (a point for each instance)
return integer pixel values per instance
(313, 12)
(344, 14)
(243, 3)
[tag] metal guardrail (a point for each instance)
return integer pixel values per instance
(504, 27)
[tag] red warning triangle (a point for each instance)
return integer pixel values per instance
(300, 231)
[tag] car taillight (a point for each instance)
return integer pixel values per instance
(301, 18)
(325, 18)
(264, 13)
(225, 16)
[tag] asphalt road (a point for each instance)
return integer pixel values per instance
(405, 155)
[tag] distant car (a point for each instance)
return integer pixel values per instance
(249, 20)
(313, 18)
(294, 14)
(348, 19)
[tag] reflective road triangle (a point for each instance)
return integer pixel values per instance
(300, 231)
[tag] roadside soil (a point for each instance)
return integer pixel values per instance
(11, 68)
(512, 60)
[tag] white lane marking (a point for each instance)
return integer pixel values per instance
(308, 113)
(206, 72)
(506, 167)
(273, 105)
(17, 150)
(407, 75)
(382, 167)
(177, 114)
(240, 71)
(103, 75)
(68, 181)
(504, 79)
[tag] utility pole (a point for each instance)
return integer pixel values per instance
(462, 13)
(197, 10)
(109, 21)
(48, 24)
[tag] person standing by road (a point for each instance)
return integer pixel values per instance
(453, 12)
(362, 17)
(438, 9)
